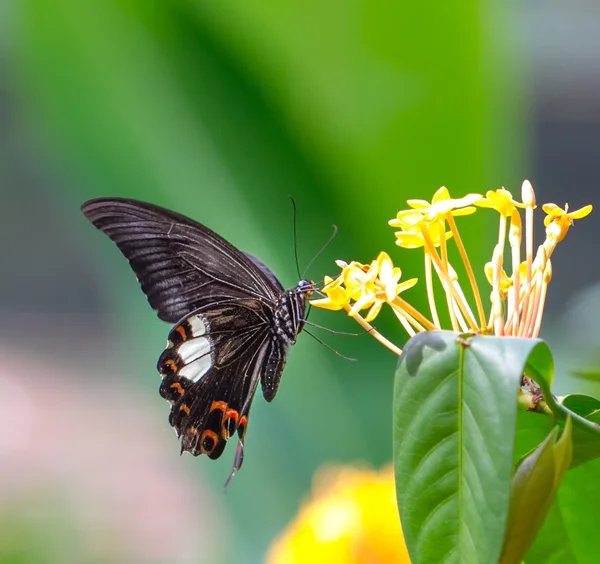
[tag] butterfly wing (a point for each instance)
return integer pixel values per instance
(181, 264)
(234, 321)
(211, 368)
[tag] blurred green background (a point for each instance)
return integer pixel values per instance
(220, 111)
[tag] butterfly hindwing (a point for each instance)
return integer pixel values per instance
(211, 367)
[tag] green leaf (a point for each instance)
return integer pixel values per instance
(581, 404)
(532, 429)
(542, 372)
(540, 366)
(586, 445)
(587, 374)
(455, 413)
(570, 533)
(552, 545)
(534, 487)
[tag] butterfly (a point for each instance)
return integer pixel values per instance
(233, 320)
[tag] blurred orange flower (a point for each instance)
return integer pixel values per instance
(351, 517)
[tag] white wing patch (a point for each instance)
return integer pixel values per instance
(197, 356)
(191, 350)
(198, 324)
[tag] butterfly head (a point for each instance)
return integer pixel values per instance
(305, 287)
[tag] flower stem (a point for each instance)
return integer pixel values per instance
(430, 292)
(469, 269)
(372, 331)
(446, 281)
(420, 321)
(514, 238)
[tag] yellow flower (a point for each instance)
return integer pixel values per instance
(501, 200)
(362, 286)
(336, 297)
(441, 205)
(414, 238)
(506, 282)
(376, 286)
(558, 221)
(424, 226)
(351, 518)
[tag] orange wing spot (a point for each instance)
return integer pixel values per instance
(229, 422)
(183, 407)
(193, 430)
(232, 414)
(208, 441)
(220, 405)
(172, 364)
(242, 426)
(177, 386)
(181, 331)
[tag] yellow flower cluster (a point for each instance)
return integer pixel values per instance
(369, 286)
(517, 300)
(352, 518)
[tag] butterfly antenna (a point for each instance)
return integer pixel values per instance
(296, 235)
(333, 331)
(330, 348)
(335, 230)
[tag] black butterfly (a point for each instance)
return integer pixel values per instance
(233, 319)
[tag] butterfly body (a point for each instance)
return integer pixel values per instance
(234, 322)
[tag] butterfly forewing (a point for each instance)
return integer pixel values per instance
(180, 263)
(233, 320)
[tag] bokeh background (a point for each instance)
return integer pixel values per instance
(220, 111)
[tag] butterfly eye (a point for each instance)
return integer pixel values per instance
(306, 287)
